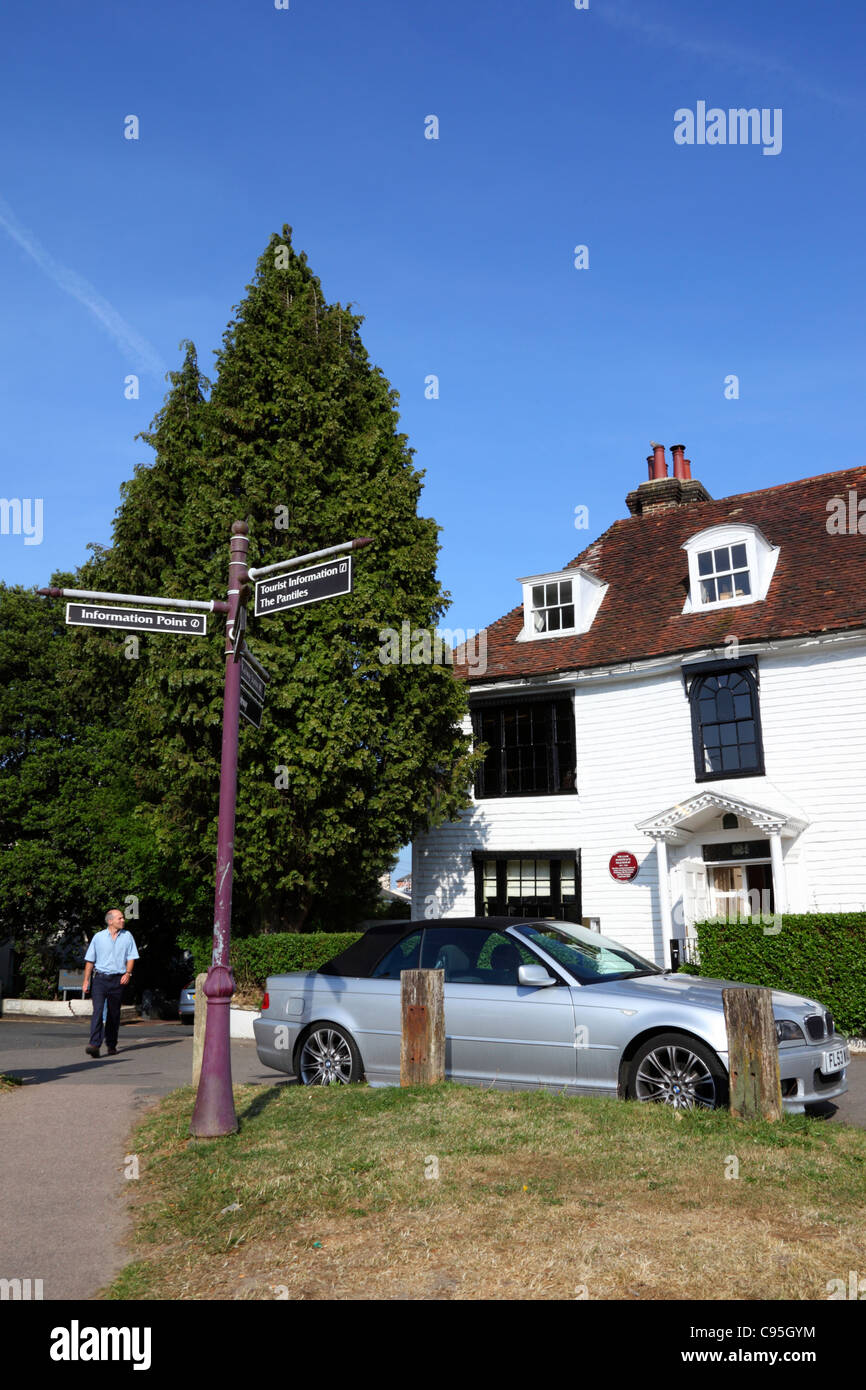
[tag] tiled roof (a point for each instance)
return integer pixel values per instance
(819, 584)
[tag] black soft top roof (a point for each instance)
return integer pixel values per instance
(362, 956)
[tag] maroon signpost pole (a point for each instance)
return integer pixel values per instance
(214, 1112)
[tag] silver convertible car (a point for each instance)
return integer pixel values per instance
(535, 1004)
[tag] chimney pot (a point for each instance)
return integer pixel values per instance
(650, 458)
(687, 466)
(659, 466)
(677, 452)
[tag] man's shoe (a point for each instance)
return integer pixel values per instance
(92, 1051)
(112, 1051)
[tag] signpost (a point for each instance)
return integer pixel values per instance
(136, 619)
(244, 693)
(303, 586)
(253, 687)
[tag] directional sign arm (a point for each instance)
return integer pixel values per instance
(212, 605)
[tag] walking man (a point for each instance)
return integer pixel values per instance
(109, 959)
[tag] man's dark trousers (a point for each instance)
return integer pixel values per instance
(106, 989)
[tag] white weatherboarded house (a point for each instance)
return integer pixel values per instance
(675, 721)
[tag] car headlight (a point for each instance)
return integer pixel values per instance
(789, 1031)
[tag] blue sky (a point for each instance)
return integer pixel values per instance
(556, 129)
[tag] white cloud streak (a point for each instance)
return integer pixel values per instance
(132, 344)
(622, 17)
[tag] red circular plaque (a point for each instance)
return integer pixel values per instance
(623, 866)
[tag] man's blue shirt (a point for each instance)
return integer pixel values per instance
(109, 956)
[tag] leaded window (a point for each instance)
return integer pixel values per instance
(530, 747)
(726, 727)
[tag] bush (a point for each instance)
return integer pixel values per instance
(819, 954)
(253, 958)
(39, 968)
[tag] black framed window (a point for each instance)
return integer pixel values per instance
(533, 884)
(726, 721)
(531, 747)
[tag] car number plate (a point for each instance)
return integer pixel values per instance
(835, 1060)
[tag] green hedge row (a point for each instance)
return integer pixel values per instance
(253, 958)
(821, 955)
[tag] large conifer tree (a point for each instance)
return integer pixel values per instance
(299, 438)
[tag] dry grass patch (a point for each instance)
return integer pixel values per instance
(331, 1193)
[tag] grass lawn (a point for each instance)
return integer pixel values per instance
(324, 1193)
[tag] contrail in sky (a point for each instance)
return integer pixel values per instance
(620, 16)
(132, 343)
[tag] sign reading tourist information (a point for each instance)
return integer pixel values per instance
(136, 619)
(253, 686)
(623, 866)
(298, 587)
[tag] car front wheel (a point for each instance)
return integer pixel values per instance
(328, 1056)
(678, 1071)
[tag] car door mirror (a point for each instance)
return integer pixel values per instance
(535, 975)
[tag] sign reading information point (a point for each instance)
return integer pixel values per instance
(136, 619)
(303, 586)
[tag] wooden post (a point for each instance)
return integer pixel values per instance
(198, 1024)
(422, 1042)
(753, 1054)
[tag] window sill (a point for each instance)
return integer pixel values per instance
(725, 776)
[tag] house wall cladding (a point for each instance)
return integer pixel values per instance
(635, 759)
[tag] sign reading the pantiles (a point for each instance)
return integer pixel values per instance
(623, 866)
(298, 587)
(136, 619)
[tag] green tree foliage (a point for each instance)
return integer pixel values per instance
(72, 841)
(299, 438)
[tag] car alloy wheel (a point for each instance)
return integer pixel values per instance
(680, 1073)
(328, 1057)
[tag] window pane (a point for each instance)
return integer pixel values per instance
(538, 595)
(403, 956)
(748, 755)
(728, 733)
(743, 583)
(568, 616)
(542, 876)
(730, 758)
(726, 587)
(565, 591)
(724, 705)
(550, 595)
(705, 562)
(722, 557)
(708, 591)
(743, 706)
(553, 619)
(738, 556)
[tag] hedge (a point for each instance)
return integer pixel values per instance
(819, 954)
(253, 958)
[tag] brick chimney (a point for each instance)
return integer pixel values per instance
(661, 491)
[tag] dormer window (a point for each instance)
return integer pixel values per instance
(553, 606)
(724, 573)
(728, 565)
(560, 604)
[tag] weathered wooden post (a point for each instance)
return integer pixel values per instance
(198, 1023)
(422, 1042)
(753, 1055)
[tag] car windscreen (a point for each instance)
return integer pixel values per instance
(587, 955)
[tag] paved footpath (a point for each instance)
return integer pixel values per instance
(64, 1136)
